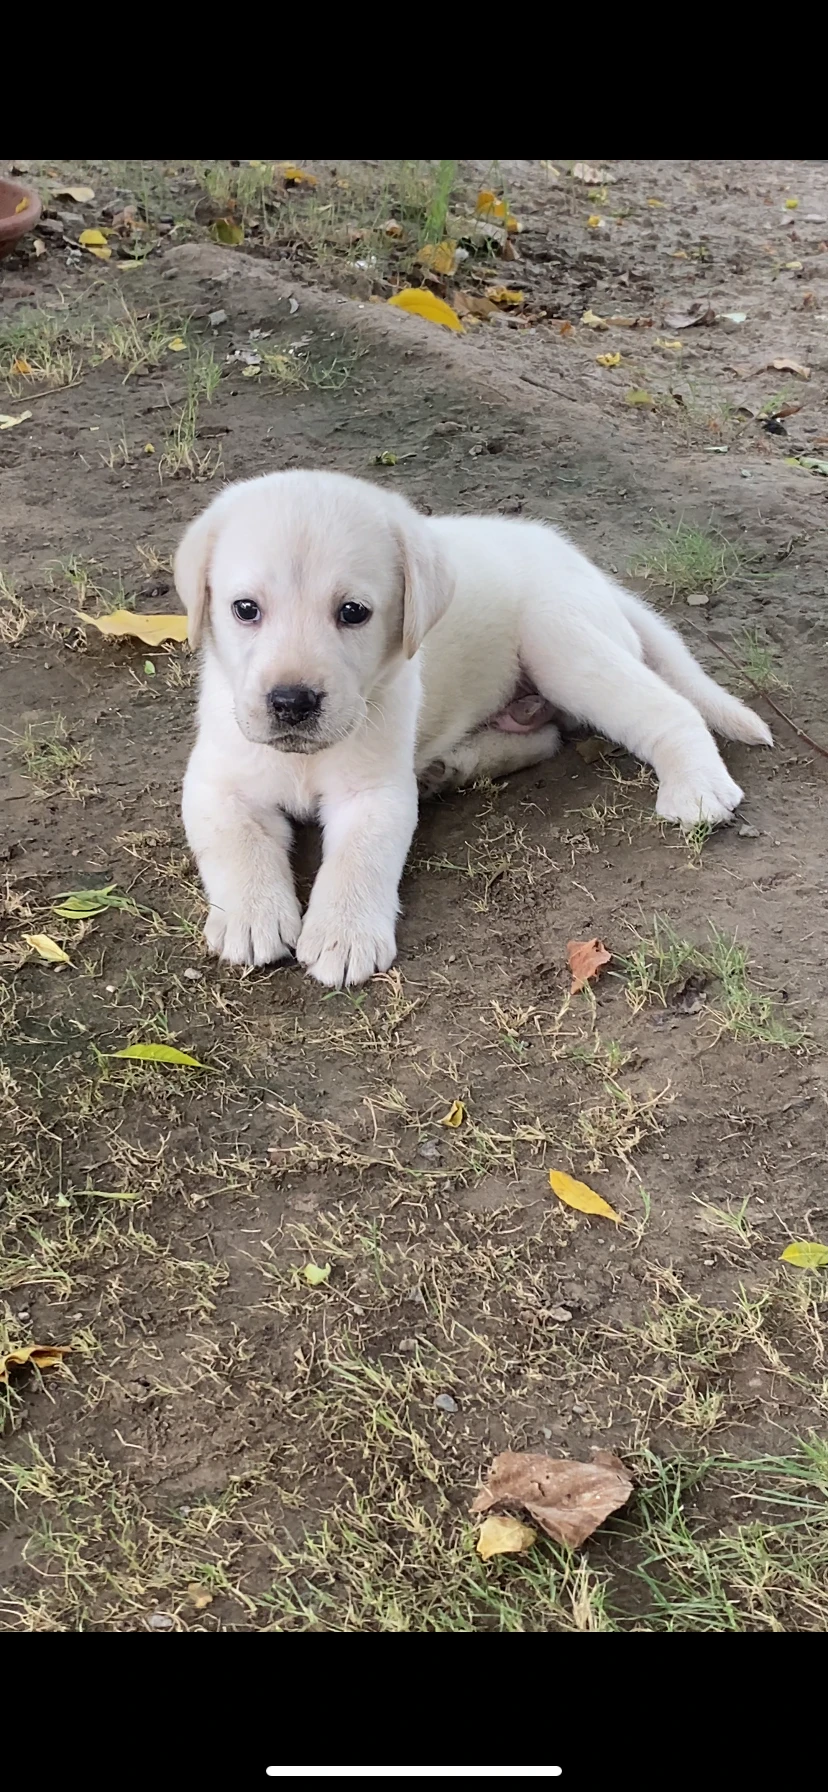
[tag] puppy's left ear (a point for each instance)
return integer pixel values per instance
(190, 569)
(429, 581)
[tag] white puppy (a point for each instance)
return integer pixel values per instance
(351, 645)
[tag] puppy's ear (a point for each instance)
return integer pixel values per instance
(190, 571)
(429, 582)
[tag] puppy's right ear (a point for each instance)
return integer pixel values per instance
(190, 569)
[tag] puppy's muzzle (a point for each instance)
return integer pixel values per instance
(294, 707)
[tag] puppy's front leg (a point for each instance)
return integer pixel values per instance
(243, 856)
(349, 928)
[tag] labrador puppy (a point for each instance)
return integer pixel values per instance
(350, 646)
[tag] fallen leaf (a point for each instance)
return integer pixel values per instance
(567, 1500)
(425, 304)
(152, 630)
(47, 948)
(22, 206)
(441, 258)
(315, 1275)
(785, 366)
(392, 228)
(21, 365)
(158, 1054)
(81, 195)
(793, 267)
(252, 372)
(92, 239)
(39, 246)
(297, 177)
(104, 254)
(505, 295)
(82, 905)
(593, 321)
(469, 303)
(455, 1116)
(608, 360)
(594, 221)
(41, 1356)
(503, 1535)
(630, 323)
(592, 177)
(176, 343)
(12, 422)
(640, 397)
(580, 1196)
(655, 202)
(223, 230)
(734, 317)
(148, 448)
(806, 1256)
(700, 313)
(586, 959)
(663, 342)
(791, 204)
(489, 206)
(198, 1596)
(385, 459)
(810, 462)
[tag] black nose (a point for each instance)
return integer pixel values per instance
(294, 702)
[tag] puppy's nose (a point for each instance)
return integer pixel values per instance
(294, 702)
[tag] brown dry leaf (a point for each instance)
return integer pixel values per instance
(41, 1356)
(503, 1535)
(441, 258)
(392, 228)
(630, 323)
(586, 959)
(700, 313)
(567, 1500)
(467, 304)
(785, 366)
(580, 1196)
(198, 1596)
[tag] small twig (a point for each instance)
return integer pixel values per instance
(50, 392)
(757, 687)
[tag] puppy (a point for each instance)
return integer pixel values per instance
(351, 645)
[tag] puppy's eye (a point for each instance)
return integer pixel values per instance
(245, 610)
(350, 615)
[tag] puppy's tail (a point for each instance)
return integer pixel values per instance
(666, 654)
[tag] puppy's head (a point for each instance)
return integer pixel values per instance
(311, 587)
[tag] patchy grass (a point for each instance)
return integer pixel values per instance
(14, 616)
(758, 656)
(181, 453)
(687, 559)
(52, 759)
(663, 965)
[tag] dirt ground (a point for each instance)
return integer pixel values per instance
(227, 1446)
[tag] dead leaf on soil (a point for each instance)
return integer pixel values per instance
(586, 959)
(40, 1356)
(580, 1196)
(593, 321)
(81, 195)
(316, 1274)
(92, 239)
(83, 905)
(502, 1535)
(608, 360)
(223, 230)
(592, 177)
(21, 365)
(806, 1255)
(45, 947)
(567, 1500)
(421, 303)
(158, 1054)
(505, 295)
(297, 177)
(441, 258)
(7, 422)
(152, 630)
(785, 366)
(469, 303)
(595, 221)
(639, 397)
(810, 462)
(700, 313)
(663, 342)
(455, 1116)
(198, 1596)
(489, 206)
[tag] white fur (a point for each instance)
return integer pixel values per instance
(462, 608)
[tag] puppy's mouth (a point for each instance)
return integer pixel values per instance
(296, 741)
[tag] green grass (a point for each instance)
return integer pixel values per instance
(687, 559)
(662, 963)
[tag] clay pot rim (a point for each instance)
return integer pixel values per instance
(14, 225)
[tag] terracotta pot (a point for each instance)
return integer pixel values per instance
(14, 224)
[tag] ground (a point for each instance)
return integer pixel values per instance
(229, 1444)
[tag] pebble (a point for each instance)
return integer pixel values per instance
(748, 833)
(446, 1403)
(429, 1148)
(160, 1621)
(192, 975)
(217, 317)
(698, 597)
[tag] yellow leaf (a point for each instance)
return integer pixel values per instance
(580, 1196)
(489, 206)
(92, 239)
(425, 304)
(12, 422)
(392, 228)
(593, 321)
(199, 1596)
(793, 267)
(665, 342)
(152, 630)
(315, 1274)
(639, 397)
(455, 1116)
(251, 373)
(102, 254)
(223, 230)
(505, 295)
(81, 195)
(21, 365)
(440, 257)
(47, 948)
(806, 1256)
(22, 206)
(148, 448)
(41, 1356)
(791, 204)
(158, 1054)
(298, 177)
(502, 1535)
(594, 221)
(176, 343)
(655, 201)
(608, 360)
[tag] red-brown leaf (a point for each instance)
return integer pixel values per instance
(586, 959)
(567, 1500)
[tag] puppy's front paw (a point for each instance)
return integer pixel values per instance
(336, 950)
(710, 795)
(262, 930)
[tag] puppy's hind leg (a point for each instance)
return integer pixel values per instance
(488, 754)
